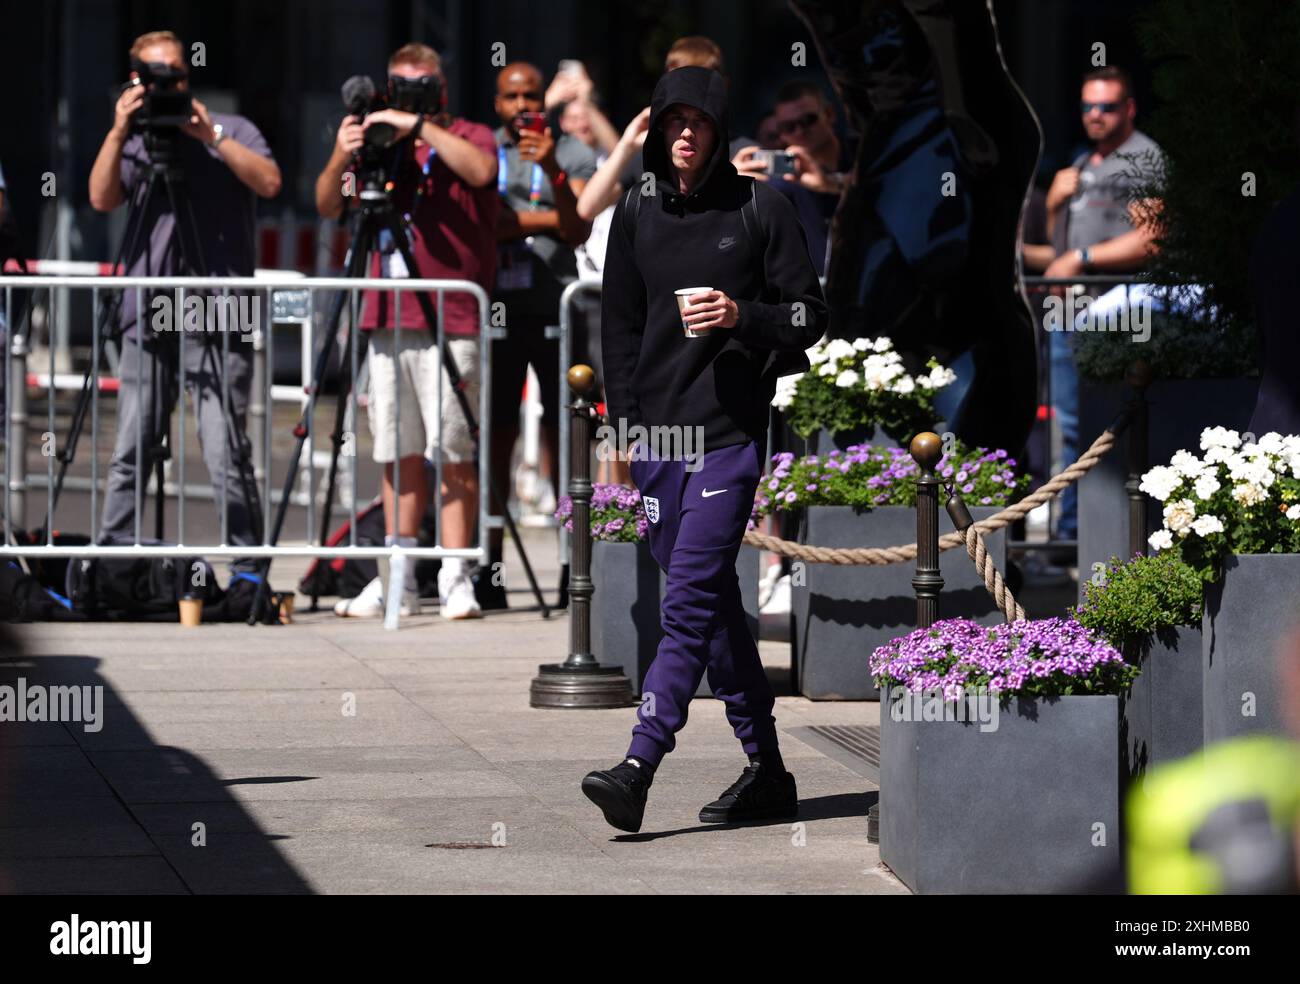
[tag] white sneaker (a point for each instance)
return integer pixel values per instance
(767, 584)
(368, 604)
(456, 597)
(778, 603)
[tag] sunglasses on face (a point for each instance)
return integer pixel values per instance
(799, 122)
(1086, 107)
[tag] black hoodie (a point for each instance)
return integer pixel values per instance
(724, 381)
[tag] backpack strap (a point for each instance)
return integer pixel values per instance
(754, 231)
(631, 211)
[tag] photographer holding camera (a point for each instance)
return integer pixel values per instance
(225, 163)
(444, 185)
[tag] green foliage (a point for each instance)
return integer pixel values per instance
(1226, 79)
(1137, 598)
(1179, 348)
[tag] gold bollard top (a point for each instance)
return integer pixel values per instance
(926, 449)
(581, 379)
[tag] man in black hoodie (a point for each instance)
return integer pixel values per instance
(709, 370)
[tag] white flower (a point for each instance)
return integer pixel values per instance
(827, 369)
(1293, 513)
(1271, 443)
(1217, 454)
(882, 344)
(941, 376)
(1160, 482)
(1179, 516)
(1161, 540)
(839, 348)
(816, 354)
(1248, 493)
(904, 385)
(1205, 525)
(785, 387)
(1186, 464)
(1219, 437)
(1206, 485)
(847, 378)
(861, 344)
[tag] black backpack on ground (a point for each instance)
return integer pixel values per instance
(148, 589)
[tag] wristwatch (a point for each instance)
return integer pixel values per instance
(1085, 258)
(219, 134)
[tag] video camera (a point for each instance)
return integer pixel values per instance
(361, 97)
(165, 108)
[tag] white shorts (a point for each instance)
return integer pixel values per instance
(422, 430)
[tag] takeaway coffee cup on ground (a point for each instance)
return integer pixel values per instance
(191, 611)
(682, 297)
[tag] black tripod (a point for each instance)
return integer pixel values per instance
(375, 215)
(164, 171)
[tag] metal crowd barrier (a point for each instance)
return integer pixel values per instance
(15, 477)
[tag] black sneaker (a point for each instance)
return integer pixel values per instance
(756, 795)
(620, 793)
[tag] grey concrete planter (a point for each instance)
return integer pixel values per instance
(1177, 411)
(1031, 807)
(1246, 615)
(841, 614)
(824, 442)
(1160, 718)
(625, 607)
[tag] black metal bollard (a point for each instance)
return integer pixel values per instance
(580, 681)
(926, 449)
(1139, 377)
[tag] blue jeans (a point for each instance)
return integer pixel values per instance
(1065, 401)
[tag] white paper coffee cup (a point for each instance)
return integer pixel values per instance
(682, 296)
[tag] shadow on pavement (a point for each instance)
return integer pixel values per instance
(109, 811)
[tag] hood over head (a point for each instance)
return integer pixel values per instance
(699, 88)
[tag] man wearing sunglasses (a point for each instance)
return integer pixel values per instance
(1095, 228)
(805, 128)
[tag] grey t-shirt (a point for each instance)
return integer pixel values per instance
(550, 261)
(1099, 209)
(224, 209)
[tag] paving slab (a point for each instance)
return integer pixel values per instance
(227, 764)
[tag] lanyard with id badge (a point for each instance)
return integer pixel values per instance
(392, 263)
(515, 266)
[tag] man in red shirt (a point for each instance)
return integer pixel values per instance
(445, 189)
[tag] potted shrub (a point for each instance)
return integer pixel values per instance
(628, 584)
(858, 392)
(999, 756)
(1202, 373)
(1150, 609)
(1233, 515)
(866, 497)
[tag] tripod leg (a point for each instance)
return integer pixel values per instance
(458, 388)
(361, 249)
(336, 443)
(108, 313)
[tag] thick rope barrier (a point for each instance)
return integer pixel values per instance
(852, 556)
(991, 576)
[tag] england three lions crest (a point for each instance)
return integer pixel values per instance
(651, 508)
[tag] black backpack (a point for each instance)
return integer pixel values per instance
(143, 589)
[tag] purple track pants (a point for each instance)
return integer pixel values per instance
(696, 522)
